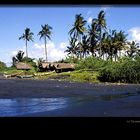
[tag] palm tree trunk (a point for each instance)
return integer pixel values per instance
(120, 53)
(100, 44)
(103, 56)
(80, 46)
(26, 50)
(45, 49)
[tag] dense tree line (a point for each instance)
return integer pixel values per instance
(98, 41)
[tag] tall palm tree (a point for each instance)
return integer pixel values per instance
(101, 24)
(27, 36)
(93, 37)
(45, 33)
(78, 28)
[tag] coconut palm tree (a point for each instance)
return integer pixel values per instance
(19, 56)
(101, 24)
(108, 43)
(72, 48)
(93, 37)
(78, 29)
(85, 45)
(133, 49)
(45, 33)
(27, 36)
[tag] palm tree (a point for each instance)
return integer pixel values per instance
(101, 24)
(105, 45)
(133, 49)
(18, 58)
(27, 36)
(121, 39)
(78, 28)
(45, 33)
(108, 42)
(93, 37)
(72, 48)
(85, 45)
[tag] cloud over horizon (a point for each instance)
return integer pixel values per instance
(134, 34)
(37, 51)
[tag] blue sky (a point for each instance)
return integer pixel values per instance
(14, 20)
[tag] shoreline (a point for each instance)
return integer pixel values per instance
(31, 88)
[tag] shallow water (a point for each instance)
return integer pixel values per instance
(23, 106)
(90, 105)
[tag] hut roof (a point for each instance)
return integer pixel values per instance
(64, 65)
(23, 66)
(58, 65)
(45, 65)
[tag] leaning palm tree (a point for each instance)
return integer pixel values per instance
(78, 29)
(27, 36)
(45, 33)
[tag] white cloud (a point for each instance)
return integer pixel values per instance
(54, 53)
(37, 51)
(105, 7)
(89, 20)
(38, 46)
(135, 34)
(63, 45)
(13, 53)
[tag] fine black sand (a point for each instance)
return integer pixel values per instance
(82, 99)
(13, 88)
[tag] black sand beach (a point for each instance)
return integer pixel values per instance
(56, 98)
(15, 88)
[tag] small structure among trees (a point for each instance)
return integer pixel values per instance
(23, 66)
(58, 67)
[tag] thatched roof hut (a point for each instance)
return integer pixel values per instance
(64, 65)
(58, 65)
(23, 66)
(45, 65)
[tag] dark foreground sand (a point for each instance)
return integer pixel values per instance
(81, 99)
(13, 88)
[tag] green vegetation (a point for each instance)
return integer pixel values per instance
(100, 54)
(125, 70)
(14, 71)
(84, 76)
(2, 65)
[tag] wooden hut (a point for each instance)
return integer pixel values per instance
(60, 67)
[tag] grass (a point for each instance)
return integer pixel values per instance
(84, 76)
(77, 76)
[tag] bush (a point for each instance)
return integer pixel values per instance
(84, 76)
(125, 70)
(91, 63)
(2, 65)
